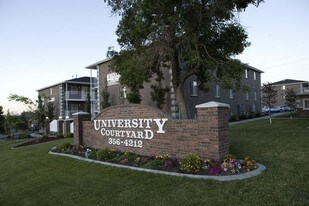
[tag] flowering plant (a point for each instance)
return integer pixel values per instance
(249, 164)
(231, 166)
(191, 163)
(212, 167)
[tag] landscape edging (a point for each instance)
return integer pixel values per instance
(246, 175)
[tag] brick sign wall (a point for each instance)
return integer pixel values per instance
(148, 131)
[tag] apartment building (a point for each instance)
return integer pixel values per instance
(303, 99)
(68, 97)
(241, 102)
(283, 85)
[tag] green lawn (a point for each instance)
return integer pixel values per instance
(30, 176)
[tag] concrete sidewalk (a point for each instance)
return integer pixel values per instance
(256, 119)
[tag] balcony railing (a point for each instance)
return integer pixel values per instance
(74, 95)
(80, 96)
(305, 90)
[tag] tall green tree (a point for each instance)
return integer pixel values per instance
(50, 111)
(36, 106)
(194, 37)
(22, 99)
(40, 112)
(88, 103)
(291, 98)
(105, 96)
(269, 97)
(11, 123)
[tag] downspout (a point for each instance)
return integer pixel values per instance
(91, 94)
(66, 101)
(98, 85)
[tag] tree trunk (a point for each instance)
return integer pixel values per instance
(182, 105)
(178, 82)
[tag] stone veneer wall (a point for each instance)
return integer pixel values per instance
(206, 136)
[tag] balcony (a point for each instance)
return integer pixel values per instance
(78, 96)
(75, 95)
(305, 87)
(305, 90)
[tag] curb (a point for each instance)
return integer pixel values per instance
(246, 175)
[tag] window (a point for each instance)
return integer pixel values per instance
(50, 91)
(254, 75)
(283, 87)
(231, 95)
(253, 108)
(217, 91)
(247, 95)
(255, 96)
(193, 88)
(246, 73)
(306, 104)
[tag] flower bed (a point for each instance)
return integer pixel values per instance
(189, 164)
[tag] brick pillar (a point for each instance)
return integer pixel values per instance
(47, 126)
(213, 116)
(60, 126)
(78, 119)
(66, 126)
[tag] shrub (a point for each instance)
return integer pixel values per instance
(44, 137)
(233, 117)
(24, 136)
(68, 135)
(130, 156)
(251, 115)
(141, 160)
(78, 150)
(191, 163)
(93, 154)
(243, 116)
(65, 146)
(105, 154)
(59, 136)
(154, 164)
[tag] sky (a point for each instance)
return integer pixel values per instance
(43, 42)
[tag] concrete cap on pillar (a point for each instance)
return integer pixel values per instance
(212, 104)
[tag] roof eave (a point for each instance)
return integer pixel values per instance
(94, 65)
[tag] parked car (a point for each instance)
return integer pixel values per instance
(272, 109)
(286, 108)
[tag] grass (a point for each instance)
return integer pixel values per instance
(29, 176)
